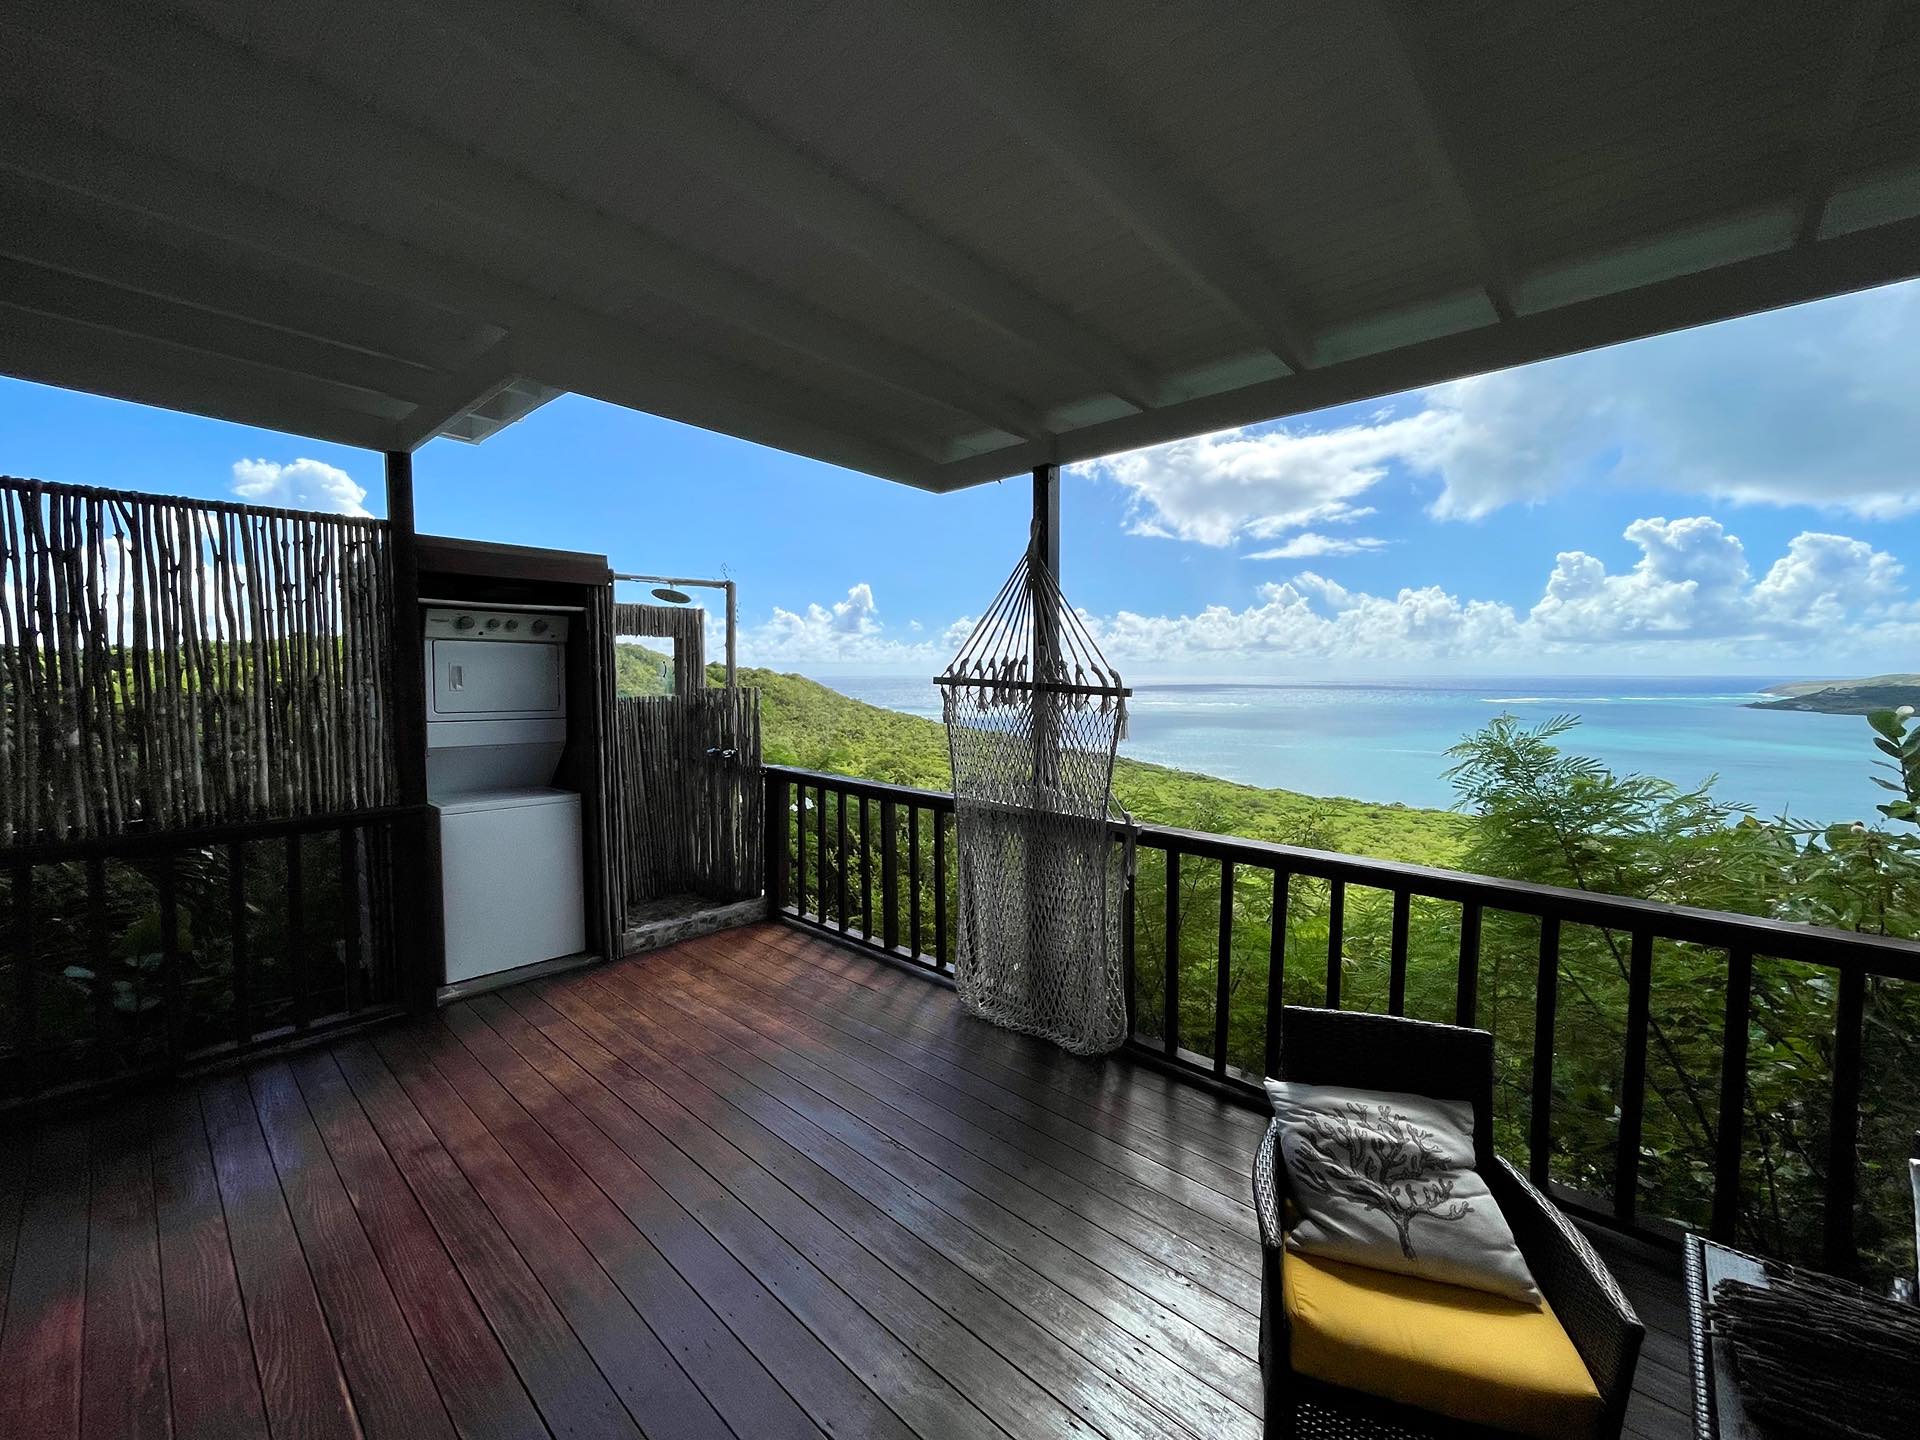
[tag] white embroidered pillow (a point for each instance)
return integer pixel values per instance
(1387, 1181)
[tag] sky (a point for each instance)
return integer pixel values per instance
(1742, 499)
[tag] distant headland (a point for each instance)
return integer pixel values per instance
(1843, 697)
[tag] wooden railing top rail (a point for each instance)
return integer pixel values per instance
(162, 840)
(1759, 935)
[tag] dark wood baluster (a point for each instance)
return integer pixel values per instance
(913, 880)
(940, 891)
(1546, 1004)
(800, 850)
(866, 871)
(889, 877)
(1730, 1139)
(173, 984)
(840, 856)
(297, 933)
(99, 963)
(820, 857)
(1397, 963)
(778, 853)
(26, 991)
(352, 990)
(1222, 981)
(1839, 1251)
(1129, 949)
(1633, 1081)
(1336, 936)
(1466, 994)
(1170, 987)
(1277, 968)
(238, 941)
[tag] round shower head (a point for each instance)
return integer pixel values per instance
(672, 597)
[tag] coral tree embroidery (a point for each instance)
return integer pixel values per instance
(1378, 1159)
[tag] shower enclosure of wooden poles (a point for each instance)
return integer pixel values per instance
(689, 800)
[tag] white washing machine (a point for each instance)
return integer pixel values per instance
(511, 864)
(512, 857)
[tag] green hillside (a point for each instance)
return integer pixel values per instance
(817, 728)
(1844, 697)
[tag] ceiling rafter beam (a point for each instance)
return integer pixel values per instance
(550, 336)
(537, 214)
(26, 286)
(1088, 138)
(456, 395)
(63, 231)
(1855, 51)
(1410, 80)
(644, 99)
(50, 350)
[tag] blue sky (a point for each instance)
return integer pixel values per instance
(1743, 499)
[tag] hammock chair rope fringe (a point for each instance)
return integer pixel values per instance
(1034, 716)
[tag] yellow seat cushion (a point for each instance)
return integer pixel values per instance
(1464, 1353)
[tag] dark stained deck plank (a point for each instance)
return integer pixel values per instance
(1189, 1115)
(996, 1387)
(482, 1392)
(992, 1373)
(641, 1369)
(1174, 1338)
(1207, 1144)
(210, 1365)
(728, 1373)
(1191, 1242)
(300, 1375)
(1076, 1352)
(124, 1391)
(40, 1349)
(756, 1185)
(1092, 1134)
(572, 1394)
(1214, 1320)
(924, 1399)
(393, 1394)
(598, 1135)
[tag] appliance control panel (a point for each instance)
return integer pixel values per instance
(502, 625)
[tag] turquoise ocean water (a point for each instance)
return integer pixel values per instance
(1386, 741)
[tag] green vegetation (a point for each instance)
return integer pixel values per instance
(1530, 811)
(1844, 697)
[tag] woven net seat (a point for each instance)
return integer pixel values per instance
(1034, 715)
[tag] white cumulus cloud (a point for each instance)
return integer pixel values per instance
(1693, 596)
(1311, 544)
(299, 485)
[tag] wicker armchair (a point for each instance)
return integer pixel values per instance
(1380, 1052)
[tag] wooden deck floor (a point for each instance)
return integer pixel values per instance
(752, 1186)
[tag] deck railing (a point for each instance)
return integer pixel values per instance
(139, 955)
(873, 864)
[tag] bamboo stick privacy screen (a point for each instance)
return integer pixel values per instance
(690, 798)
(171, 664)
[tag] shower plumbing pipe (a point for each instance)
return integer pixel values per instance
(723, 585)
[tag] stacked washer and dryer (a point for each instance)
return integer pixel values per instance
(511, 845)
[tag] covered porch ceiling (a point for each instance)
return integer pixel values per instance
(939, 241)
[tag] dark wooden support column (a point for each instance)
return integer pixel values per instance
(1043, 552)
(416, 855)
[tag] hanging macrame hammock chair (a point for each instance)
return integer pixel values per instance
(1034, 715)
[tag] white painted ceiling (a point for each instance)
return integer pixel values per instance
(940, 241)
